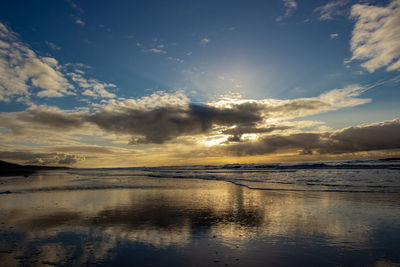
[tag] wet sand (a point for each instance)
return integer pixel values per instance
(63, 218)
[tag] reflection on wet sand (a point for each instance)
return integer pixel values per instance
(192, 221)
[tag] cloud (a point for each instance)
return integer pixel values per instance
(167, 123)
(78, 12)
(204, 42)
(377, 136)
(23, 73)
(333, 35)
(236, 133)
(271, 144)
(290, 6)
(300, 107)
(39, 158)
(156, 51)
(163, 117)
(232, 28)
(176, 59)
(154, 48)
(235, 127)
(331, 9)
(22, 70)
(376, 36)
(155, 100)
(53, 46)
(79, 21)
(77, 8)
(83, 148)
(92, 87)
(51, 117)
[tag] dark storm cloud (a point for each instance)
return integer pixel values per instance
(270, 144)
(145, 125)
(52, 118)
(164, 124)
(377, 136)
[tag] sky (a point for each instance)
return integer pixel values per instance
(145, 83)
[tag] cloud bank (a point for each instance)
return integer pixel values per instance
(237, 127)
(369, 137)
(173, 117)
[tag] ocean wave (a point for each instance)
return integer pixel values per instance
(333, 176)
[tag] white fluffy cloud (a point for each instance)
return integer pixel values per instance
(92, 87)
(376, 36)
(157, 99)
(24, 73)
(21, 70)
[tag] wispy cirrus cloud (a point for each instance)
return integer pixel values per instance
(376, 36)
(176, 59)
(78, 12)
(331, 9)
(290, 6)
(53, 46)
(154, 48)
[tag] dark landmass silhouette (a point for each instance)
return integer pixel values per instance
(12, 169)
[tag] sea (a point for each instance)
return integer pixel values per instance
(332, 213)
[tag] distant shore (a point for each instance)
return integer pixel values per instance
(12, 169)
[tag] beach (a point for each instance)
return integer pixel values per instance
(130, 218)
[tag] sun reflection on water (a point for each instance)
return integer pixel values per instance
(77, 225)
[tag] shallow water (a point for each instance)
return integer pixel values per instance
(136, 217)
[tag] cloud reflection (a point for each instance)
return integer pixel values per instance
(95, 226)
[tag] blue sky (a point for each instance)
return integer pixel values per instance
(92, 57)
